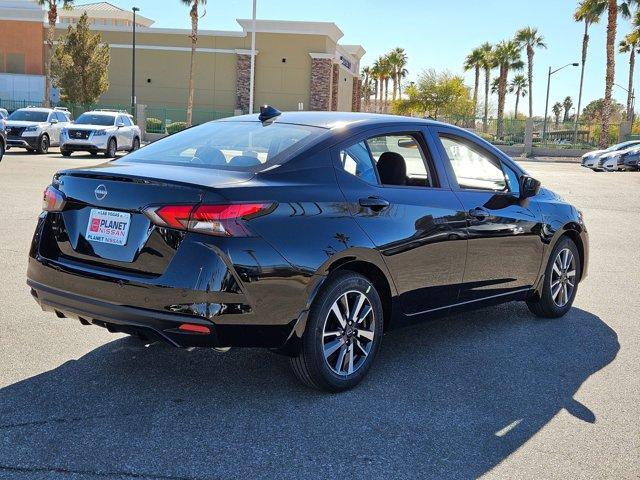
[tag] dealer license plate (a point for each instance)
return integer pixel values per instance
(106, 226)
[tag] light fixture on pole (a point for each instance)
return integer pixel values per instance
(253, 58)
(546, 106)
(133, 65)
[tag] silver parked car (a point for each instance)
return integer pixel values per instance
(592, 159)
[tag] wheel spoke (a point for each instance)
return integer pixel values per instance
(565, 294)
(368, 334)
(571, 273)
(334, 333)
(556, 269)
(365, 313)
(358, 307)
(350, 368)
(364, 352)
(345, 303)
(331, 347)
(336, 311)
(556, 292)
(340, 361)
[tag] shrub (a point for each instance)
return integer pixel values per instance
(176, 127)
(154, 125)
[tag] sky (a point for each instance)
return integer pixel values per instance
(435, 34)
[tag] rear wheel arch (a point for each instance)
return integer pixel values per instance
(376, 276)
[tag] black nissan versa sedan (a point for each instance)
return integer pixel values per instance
(310, 234)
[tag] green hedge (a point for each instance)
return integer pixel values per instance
(176, 127)
(154, 125)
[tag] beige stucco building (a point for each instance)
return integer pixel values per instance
(298, 64)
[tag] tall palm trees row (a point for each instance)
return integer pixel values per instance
(505, 57)
(376, 78)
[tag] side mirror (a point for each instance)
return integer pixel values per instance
(529, 187)
(54, 121)
(120, 124)
(407, 143)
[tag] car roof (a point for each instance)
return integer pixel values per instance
(37, 109)
(330, 120)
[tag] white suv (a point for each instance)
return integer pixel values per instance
(36, 129)
(105, 131)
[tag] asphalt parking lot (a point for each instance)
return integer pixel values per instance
(494, 393)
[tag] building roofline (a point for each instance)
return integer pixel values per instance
(328, 29)
(113, 12)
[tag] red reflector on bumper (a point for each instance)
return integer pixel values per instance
(192, 328)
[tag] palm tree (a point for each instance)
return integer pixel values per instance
(194, 43)
(375, 75)
(385, 75)
(612, 8)
(629, 45)
(488, 62)
(474, 61)
(52, 16)
(398, 61)
(518, 85)
(366, 85)
(529, 39)
(588, 12)
(557, 111)
(567, 103)
(507, 57)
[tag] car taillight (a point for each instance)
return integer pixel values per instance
(53, 200)
(222, 220)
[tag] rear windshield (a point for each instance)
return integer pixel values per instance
(91, 119)
(243, 146)
(29, 116)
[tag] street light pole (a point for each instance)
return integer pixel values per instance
(253, 58)
(133, 65)
(546, 106)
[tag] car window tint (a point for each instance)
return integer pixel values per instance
(408, 147)
(357, 161)
(61, 117)
(473, 167)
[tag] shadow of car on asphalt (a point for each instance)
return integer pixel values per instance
(449, 398)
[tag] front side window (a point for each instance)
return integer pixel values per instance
(474, 169)
(230, 145)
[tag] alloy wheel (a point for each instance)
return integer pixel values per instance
(348, 333)
(563, 277)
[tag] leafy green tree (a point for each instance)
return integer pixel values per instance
(518, 86)
(193, 13)
(475, 62)
(529, 39)
(52, 18)
(436, 94)
(507, 58)
(80, 64)
(594, 111)
(567, 103)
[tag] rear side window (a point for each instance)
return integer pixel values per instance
(388, 160)
(235, 145)
(474, 168)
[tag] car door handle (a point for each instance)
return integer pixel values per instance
(479, 213)
(374, 203)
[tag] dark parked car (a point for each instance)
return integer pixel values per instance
(631, 159)
(310, 234)
(3, 139)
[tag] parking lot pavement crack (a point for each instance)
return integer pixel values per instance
(36, 423)
(67, 471)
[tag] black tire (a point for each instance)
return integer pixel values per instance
(65, 153)
(2, 150)
(112, 148)
(546, 306)
(310, 366)
(43, 144)
(136, 145)
(93, 153)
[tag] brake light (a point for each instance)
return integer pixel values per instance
(221, 220)
(53, 200)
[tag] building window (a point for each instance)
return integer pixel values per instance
(15, 63)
